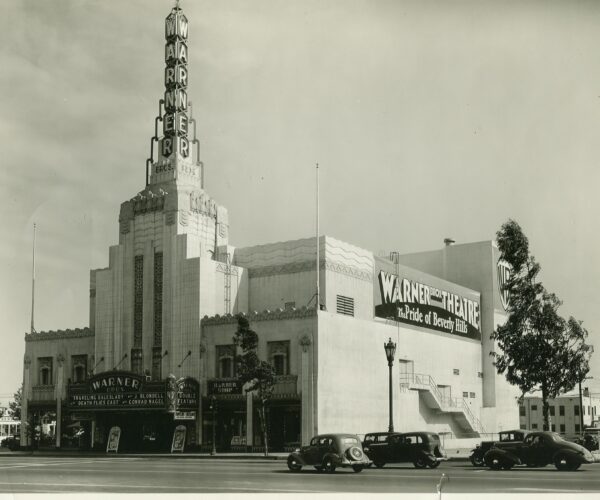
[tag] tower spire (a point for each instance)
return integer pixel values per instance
(173, 146)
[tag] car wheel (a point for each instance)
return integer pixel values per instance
(328, 465)
(495, 464)
(477, 461)
(293, 464)
(379, 465)
(563, 463)
(357, 468)
(420, 463)
(433, 465)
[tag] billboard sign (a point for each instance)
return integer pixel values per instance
(421, 300)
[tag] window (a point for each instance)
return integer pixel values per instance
(456, 371)
(577, 428)
(225, 361)
(345, 305)
(289, 306)
(552, 411)
(79, 368)
(279, 355)
(533, 407)
(576, 409)
(553, 428)
(534, 426)
(479, 375)
(522, 426)
(471, 394)
(561, 410)
(45, 371)
(522, 411)
(562, 428)
(465, 394)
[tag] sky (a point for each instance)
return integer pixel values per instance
(428, 120)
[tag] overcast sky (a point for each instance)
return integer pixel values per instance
(428, 119)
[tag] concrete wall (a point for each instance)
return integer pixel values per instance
(51, 345)
(474, 265)
(353, 375)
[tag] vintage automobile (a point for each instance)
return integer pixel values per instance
(479, 451)
(538, 449)
(422, 449)
(376, 438)
(11, 442)
(326, 452)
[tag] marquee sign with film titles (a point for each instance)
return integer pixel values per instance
(120, 390)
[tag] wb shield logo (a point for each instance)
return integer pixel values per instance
(503, 275)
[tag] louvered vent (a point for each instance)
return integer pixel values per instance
(345, 305)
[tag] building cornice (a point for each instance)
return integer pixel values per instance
(309, 265)
(267, 315)
(59, 334)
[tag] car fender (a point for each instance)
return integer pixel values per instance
(501, 454)
(570, 454)
(298, 457)
(334, 457)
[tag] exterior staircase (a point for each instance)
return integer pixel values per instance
(435, 399)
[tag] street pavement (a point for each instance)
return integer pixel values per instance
(38, 473)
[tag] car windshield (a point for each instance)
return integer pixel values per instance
(349, 440)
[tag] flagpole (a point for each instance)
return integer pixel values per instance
(33, 284)
(318, 257)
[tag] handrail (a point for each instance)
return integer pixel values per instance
(444, 401)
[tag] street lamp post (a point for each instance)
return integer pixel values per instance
(390, 350)
(213, 407)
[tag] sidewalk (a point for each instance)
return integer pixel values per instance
(453, 454)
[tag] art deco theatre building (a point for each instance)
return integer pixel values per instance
(158, 352)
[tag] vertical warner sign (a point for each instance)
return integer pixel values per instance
(175, 119)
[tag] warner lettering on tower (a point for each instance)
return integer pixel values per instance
(410, 301)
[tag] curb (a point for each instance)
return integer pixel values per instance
(203, 456)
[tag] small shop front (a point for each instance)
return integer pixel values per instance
(225, 419)
(132, 413)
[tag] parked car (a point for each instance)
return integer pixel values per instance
(376, 438)
(505, 436)
(538, 449)
(591, 438)
(12, 442)
(422, 449)
(326, 452)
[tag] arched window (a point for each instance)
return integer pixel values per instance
(45, 371)
(79, 364)
(226, 361)
(279, 355)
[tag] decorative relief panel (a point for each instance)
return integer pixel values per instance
(138, 300)
(158, 303)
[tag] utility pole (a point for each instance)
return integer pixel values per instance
(33, 285)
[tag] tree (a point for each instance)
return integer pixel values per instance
(14, 407)
(254, 374)
(539, 350)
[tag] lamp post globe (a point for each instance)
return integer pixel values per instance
(390, 351)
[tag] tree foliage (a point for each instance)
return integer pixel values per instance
(538, 349)
(14, 407)
(254, 374)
